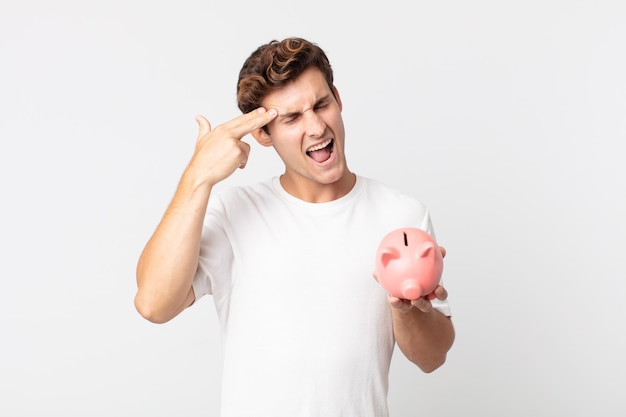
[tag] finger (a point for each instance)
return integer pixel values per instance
(245, 147)
(204, 127)
(394, 300)
(422, 304)
(443, 251)
(441, 293)
(399, 303)
(249, 122)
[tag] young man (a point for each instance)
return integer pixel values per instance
(306, 329)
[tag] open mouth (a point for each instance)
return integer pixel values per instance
(321, 152)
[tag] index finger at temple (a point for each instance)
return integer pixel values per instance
(256, 119)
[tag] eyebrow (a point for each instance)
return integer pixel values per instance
(297, 113)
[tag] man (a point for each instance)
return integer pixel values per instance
(306, 329)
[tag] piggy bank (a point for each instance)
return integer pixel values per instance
(409, 263)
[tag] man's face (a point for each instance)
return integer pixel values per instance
(308, 134)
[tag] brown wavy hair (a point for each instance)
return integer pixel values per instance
(274, 65)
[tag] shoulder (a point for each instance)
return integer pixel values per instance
(383, 193)
(239, 194)
(390, 207)
(238, 202)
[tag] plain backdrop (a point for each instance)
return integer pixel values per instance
(506, 118)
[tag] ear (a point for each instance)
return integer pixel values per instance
(262, 137)
(387, 255)
(337, 97)
(427, 248)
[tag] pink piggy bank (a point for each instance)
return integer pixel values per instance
(409, 263)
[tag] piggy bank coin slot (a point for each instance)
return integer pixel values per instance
(406, 240)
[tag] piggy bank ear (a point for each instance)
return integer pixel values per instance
(427, 249)
(388, 254)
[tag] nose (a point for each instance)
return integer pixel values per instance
(313, 124)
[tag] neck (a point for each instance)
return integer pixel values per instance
(315, 192)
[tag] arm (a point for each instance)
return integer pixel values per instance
(424, 335)
(168, 263)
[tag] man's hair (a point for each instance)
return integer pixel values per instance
(274, 65)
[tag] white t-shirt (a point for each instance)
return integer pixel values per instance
(306, 329)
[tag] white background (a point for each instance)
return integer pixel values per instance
(506, 118)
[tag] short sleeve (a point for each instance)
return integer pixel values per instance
(215, 258)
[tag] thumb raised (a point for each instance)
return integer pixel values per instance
(204, 127)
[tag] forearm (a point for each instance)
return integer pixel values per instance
(168, 263)
(423, 337)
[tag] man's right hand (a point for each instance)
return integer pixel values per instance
(169, 261)
(220, 151)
